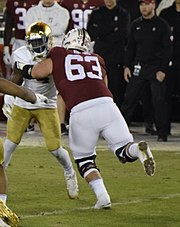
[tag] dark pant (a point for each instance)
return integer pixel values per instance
(116, 83)
(134, 91)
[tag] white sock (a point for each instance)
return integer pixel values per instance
(63, 158)
(9, 148)
(3, 197)
(99, 188)
(133, 152)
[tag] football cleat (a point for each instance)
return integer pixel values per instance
(7, 215)
(103, 203)
(3, 224)
(148, 163)
(72, 186)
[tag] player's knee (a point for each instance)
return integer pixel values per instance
(122, 155)
(53, 145)
(86, 165)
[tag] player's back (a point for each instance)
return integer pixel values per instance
(17, 10)
(80, 11)
(78, 76)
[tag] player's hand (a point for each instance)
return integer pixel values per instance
(41, 99)
(7, 109)
(160, 76)
(6, 55)
(127, 74)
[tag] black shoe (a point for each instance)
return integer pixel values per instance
(64, 130)
(162, 138)
(30, 129)
(150, 130)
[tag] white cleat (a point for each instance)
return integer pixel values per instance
(103, 203)
(72, 186)
(148, 160)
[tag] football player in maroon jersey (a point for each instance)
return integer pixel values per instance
(83, 86)
(15, 14)
(80, 11)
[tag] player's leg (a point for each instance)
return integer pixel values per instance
(120, 140)
(7, 217)
(83, 137)
(16, 126)
(49, 124)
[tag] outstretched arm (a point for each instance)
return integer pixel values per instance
(8, 87)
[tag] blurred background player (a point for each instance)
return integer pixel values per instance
(83, 86)
(80, 11)
(7, 217)
(57, 17)
(15, 13)
(39, 41)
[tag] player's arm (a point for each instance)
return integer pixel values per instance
(39, 71)
(8, 87)
(17, 77)
(8, 27)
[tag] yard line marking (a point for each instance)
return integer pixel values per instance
(138, 200)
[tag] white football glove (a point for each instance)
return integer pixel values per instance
(6, 55)
(7, 109)
(41, 99)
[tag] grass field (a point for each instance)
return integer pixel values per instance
(37, 192)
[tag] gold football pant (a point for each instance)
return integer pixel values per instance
(47, 119)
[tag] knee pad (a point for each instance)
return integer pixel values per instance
(121, 153)
(86, 165)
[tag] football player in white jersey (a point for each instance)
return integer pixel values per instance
(57, 17)
(38, 34)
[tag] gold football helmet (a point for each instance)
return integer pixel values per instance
(39, 39)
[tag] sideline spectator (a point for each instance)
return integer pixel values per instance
(108, 26)
(146, 62)
(172, 16)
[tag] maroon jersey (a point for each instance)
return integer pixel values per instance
(78, 76)
(16, 11)
(80, 11)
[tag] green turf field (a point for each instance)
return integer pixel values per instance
(37, 192)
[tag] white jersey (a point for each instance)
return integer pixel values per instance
(45, 87)
(163, 4)
(56, 16)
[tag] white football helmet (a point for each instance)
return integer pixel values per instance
(77, 39)
(39, 39)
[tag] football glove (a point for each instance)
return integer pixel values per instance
(41, 99)
(7, 215)
(7, 110)
(6, 55)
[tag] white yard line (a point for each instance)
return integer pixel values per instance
(135, 201)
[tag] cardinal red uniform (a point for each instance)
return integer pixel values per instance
(81, 76)
(80, 11)
(16, 12)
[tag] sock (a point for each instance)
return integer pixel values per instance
(63, 158)
(9, 148)
(3, 197)
(99, 188)
(134, 152)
